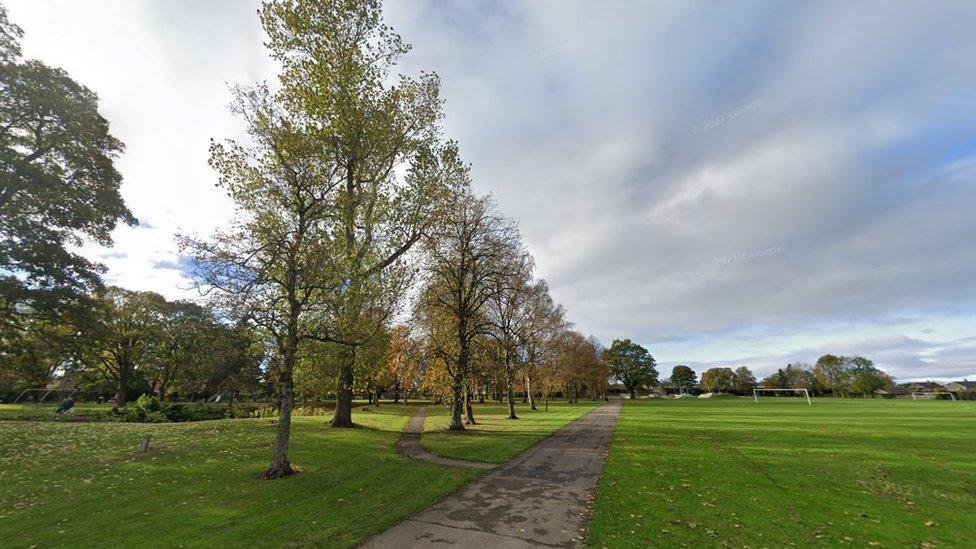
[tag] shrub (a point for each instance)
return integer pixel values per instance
(146, 408)
(178, 412)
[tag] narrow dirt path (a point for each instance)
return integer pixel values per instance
(409, 445)
(539, 498)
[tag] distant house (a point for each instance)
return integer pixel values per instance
(919, 387)
(961, 387)
(666, 388)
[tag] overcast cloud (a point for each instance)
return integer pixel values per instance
(751, 183)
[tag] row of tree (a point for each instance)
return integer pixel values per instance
(833, 375)
(126, 343)
(350, 203)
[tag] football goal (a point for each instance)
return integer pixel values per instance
(757, 391)
(40, 395)
(932, 395)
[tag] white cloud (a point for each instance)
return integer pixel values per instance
(853, 160)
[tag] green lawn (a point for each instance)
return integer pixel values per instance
(88, 411)
(840, 472)
(496, 438)
(86, 484)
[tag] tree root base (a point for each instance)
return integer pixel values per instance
(279, 472)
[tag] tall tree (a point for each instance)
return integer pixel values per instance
(188, 340)
(337, 57)
(510, 314)
(579, 366)
(745, 381)
(866, 378)
(718, 380)
(833, 374)
(402, 363)
(540, 337)
(794, 376)
(58, 183)
(271, 268)
(632, 364)
(683, 377)
(127, 325)
(463, 260)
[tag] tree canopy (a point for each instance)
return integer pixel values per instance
(632, 364)
(58, 183)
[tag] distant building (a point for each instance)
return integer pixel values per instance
(964, 387)
(919, 387)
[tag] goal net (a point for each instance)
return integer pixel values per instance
(38, 396)
(931, 395)
(757, 391)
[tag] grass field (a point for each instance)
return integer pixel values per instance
(496, 438)
(87, 411)
(85, 484)
(840, 472)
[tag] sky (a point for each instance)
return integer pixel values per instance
(748, 183)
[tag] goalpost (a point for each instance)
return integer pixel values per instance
(756, 391)
(44, 392)
(932, 395)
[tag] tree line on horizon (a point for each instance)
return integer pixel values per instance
(841, 376)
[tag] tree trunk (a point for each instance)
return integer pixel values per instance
(123, 388)
(280, 467)
(511, 403)
(469, 410)
(481, 395)
(633, 394)
(343, 411)
(528, 390)
(378, 392)
(396, 393)
(457, 409)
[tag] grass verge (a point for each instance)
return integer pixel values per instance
(497, 439)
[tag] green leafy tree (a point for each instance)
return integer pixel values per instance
(745, 381)
(794, 376)
(683, 377)
(37, 351)
(632, 364)
(188, 348)
(126, 326)
(718, 380)
(58, 183)
(866, 378)
(271, 268)
(337, 58)
(833, 374)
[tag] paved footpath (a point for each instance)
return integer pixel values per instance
(539, 498)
